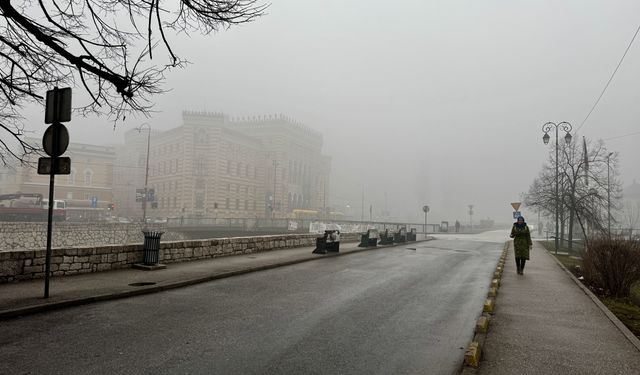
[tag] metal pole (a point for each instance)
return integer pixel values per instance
(146, 179)
(362, 215)
(608, 195)
(52, 175)
(557, 194)
(425, 224)
(273, 201)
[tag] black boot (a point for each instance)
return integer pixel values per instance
(518, 266)
(522, 266)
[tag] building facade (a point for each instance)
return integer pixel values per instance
(214, 166)
(87, 190)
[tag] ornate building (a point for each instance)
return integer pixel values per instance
(212, 166)
(89, 185)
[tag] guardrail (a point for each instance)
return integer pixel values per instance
(294, 225)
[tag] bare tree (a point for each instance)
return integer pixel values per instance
(584, 187)
(104, 46)
(631, 217)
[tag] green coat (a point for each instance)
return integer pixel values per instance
(521, 241)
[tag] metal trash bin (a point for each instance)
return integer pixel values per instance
(151, 248)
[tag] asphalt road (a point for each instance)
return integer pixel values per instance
(400, 310)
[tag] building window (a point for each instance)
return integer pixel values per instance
(200, 165)
(238, 169)
(175, 202)
(226, 203)
(88, 177)
(72, 177)
(237, 204)
(246, 205)
(69, 195)
(228, 166)
(199, 200)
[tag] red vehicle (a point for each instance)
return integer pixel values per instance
(29, 207)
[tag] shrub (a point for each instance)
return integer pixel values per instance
(612, 265)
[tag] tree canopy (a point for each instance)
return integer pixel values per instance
(112, 49)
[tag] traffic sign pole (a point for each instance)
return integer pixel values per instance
(55, 142)
(52, 176)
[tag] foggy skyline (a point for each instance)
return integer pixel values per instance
(437, 103)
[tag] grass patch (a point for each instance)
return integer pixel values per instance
(627, 312)
(624, 309)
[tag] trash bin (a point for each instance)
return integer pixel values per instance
(151, 248)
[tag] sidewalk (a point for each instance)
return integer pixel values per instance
(26, 297)
(544, 323)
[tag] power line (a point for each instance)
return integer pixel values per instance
(610, 79)
(621, 136)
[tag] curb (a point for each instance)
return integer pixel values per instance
(473, 353)
(34, 309)
(614, 319)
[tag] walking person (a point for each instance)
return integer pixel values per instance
(521, 243)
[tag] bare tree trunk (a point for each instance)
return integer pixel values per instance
(571, 213)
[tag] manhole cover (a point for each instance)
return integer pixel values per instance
(144, 283)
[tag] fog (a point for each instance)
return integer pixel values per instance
(438, 102)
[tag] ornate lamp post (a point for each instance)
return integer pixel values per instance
(566, 127)
(609, 195)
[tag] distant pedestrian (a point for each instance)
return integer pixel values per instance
(521, 243)
(457, 226)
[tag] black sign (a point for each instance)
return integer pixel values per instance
(58, 107)
(61, 134)
(62, 165)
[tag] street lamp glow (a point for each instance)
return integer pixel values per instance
(546, 128)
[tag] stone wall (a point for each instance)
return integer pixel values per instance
(33, 236)
(25, 264)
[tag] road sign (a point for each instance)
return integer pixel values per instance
(425, 209)
(139, 195)
(516, 214)
(58, 107)
(62, 166)
(62, 137)
(515, 205)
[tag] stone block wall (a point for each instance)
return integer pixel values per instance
(33, 236)
(25, 264)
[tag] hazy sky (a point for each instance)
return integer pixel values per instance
(433, 102)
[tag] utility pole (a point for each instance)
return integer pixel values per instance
(471, 216)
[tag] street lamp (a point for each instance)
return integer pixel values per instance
(608, 195)
(566, 127)
(146, 174)
(273, 201)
